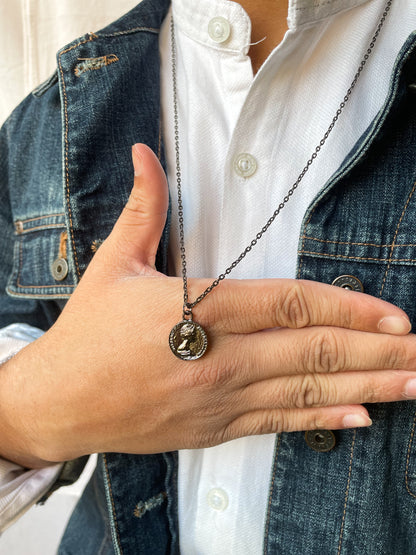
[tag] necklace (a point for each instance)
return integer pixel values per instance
(188, 339)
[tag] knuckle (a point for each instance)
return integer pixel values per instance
(273, 422)
(345, 314)
(252, 424)
(134, 203)
(211, 375)
(293, 310)
(379, 390)
(315, 422)
(222, 310)
(307, 392)
(394, 356)
(229, 432)
(215, 313)
(197, 439)
(266, 422)
(281, 420)
(372, 393)
(325, 352)
(299, 420)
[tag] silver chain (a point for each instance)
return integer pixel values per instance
(187, 306)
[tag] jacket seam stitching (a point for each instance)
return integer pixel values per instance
(303, 242)
(347, 491)
(39, 227)
(39, 296)
(110, 491)
(266, 530)
(40, 217)
(71, 228)
(395, 237)
(406, 475)
(42, 286)
(390, 260)
(128, 32)
(359, 244)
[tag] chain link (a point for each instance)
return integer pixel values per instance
(188, 306)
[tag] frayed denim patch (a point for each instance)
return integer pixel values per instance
(88, 64)
(143, 506)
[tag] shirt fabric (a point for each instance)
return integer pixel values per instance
(293, 74)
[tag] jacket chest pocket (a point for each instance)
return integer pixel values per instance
(41, 265)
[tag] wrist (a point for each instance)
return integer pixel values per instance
(22, 416)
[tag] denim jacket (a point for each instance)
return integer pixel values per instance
(65, 174)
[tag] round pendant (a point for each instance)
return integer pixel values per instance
(188, 340)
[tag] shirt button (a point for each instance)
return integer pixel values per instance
(217, 499)
(245, 165)
(320, 440)
(59, 269)
(349, 282)
(219, 29)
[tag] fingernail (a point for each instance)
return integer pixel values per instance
(410, 389)
(396, 325)
(137, 160)
(356, 420)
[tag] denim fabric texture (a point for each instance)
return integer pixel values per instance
(91, 516)
(65, 167)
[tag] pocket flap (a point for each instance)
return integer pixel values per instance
(41, 266)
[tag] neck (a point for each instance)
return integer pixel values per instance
(268, 19)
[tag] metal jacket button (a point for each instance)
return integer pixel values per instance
(349, 282)
(59, 269)
(320, 440)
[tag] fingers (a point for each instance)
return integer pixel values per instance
(316, 350)
(323, 390)
(292, 420)
(250, 305)
(137, 232)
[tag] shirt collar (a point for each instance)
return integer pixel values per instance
(193, 18)
(303, 12)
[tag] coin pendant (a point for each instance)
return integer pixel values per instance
(188, 340)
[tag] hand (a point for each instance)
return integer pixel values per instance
(283, 355)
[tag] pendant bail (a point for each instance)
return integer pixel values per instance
(187, 312)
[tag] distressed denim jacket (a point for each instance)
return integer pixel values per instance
(65, 174)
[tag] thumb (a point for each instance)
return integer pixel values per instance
(137, 232)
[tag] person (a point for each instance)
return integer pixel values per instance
(285, 355)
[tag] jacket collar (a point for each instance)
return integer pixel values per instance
(147, 14)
